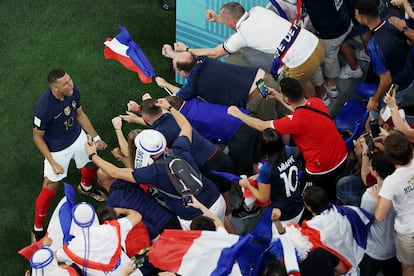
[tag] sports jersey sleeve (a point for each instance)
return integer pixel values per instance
(186, 92)
(234, 43)
(285, 125)
(41, 114)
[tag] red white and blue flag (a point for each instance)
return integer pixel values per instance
(123, 49)
(342, 230)
(198, 252)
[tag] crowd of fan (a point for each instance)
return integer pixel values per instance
(268, 132)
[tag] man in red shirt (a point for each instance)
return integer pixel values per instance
(313, 131)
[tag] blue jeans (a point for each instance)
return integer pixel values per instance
(349, 190)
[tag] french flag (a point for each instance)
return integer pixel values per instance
(198, 252)
(342, 230)
(123, 49)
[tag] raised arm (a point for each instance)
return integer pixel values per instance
(112, 170)
(258, 124)
(133, 216)
(206, 212)
(216, 52)
(123, 144)
(183, 123)
(165, 84)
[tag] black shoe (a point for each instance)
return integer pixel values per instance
(36, 235)
(243, 213)
(94, 193)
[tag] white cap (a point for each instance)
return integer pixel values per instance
(148, 142)
(83, 214)
(41, 258)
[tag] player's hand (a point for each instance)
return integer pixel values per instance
(130, 117)
(195, 203)
(57, 168)
(372, 104)
(167, 51)
(133, 106)
(234, 111)
(276, 214)
(211, 15)
(47, 241)
(163, 103)
(128, 269)
(90, 148)
(179, 47)
(161, 82)
(273, 94)
(244, 182)
(397, 3)
(101, 145)
(146, 96)
(117, 122)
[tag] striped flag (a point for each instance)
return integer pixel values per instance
(124, 50)
(342, 230)
(198, 252)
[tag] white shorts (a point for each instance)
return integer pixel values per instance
(218, 208)
(76, 151)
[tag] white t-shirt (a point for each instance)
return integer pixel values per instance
(399, 188)
(263, 30)
(380, 244)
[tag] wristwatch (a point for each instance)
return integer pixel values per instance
(404, 29)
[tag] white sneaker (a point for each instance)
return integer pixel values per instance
(332, 91)
(362, 55)
(326, 100)
(348, 73)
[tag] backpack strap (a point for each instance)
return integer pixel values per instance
(314, 110)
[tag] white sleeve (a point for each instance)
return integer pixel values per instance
(234, 43)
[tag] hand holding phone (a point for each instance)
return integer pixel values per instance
(186, 197)
(369, 141)
(262, 88)
(375, 128)
(392, 90)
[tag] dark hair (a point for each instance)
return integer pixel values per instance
(316, 198)
(148, 107)
(272, 146)
(203, 223)
(105, 213)
(381, 164)
(233, 10)
(187, 66)
(398, 149)
(292, 89)
(274, 268)
(175, 101)
(54, 75)
(367, 8)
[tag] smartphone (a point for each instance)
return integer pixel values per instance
(375, 128)
(369, 141)
(393, 88)
(186, 197)
(262, 88)
(90, 140)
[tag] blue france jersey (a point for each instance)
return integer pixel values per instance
(285, 191)
(58, 119)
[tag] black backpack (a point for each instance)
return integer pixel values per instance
(182, 175)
